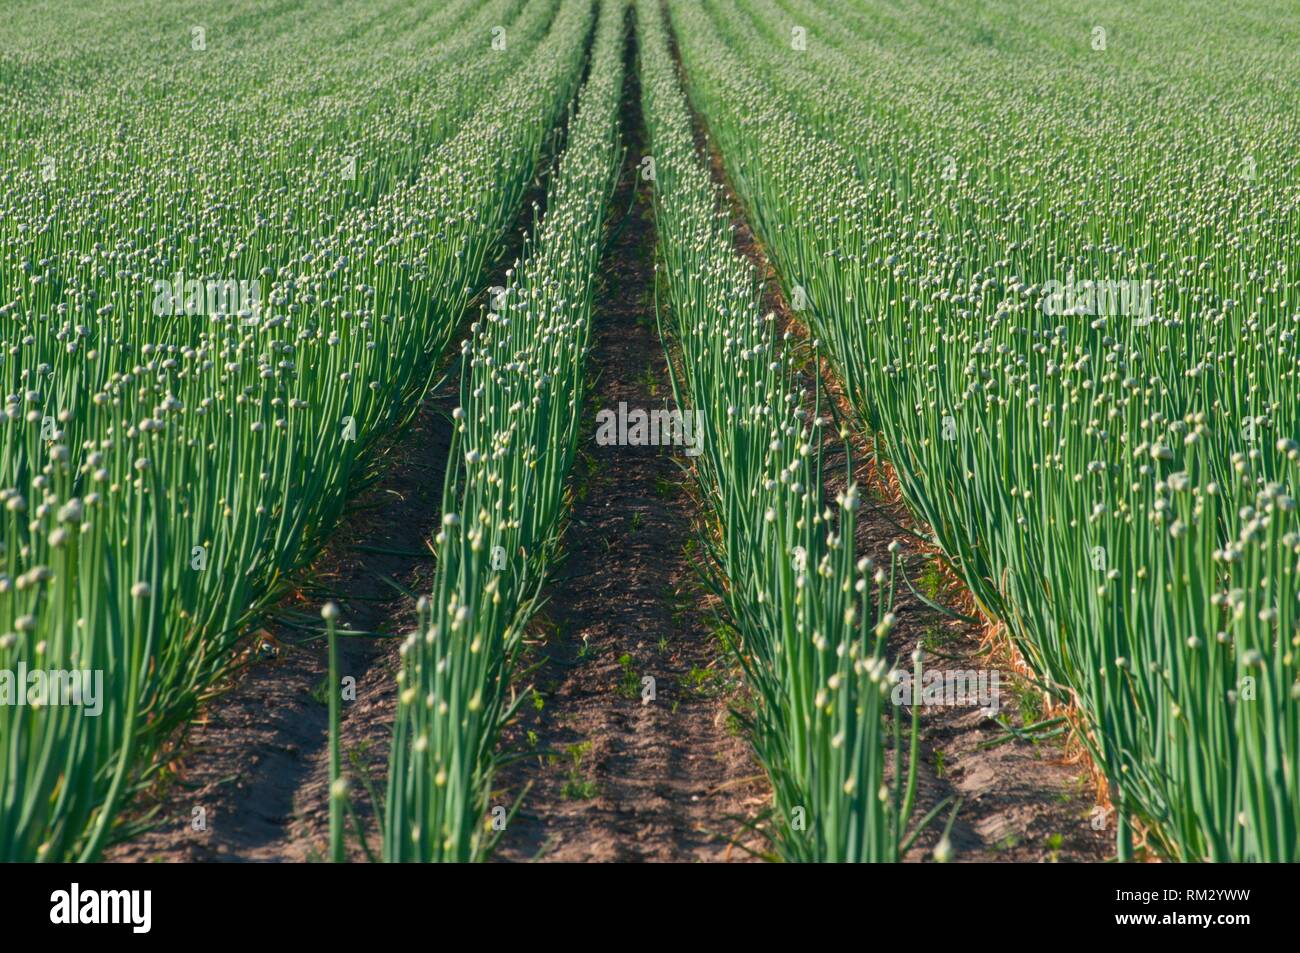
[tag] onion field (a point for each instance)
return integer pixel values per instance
(649, 430)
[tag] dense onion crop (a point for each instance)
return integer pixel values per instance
(813, 621)
(161, 470)
(1116, 484)
(1052, 262)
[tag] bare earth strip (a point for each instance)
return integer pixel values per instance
(613, 777)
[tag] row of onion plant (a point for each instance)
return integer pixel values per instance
(813, 621)
(504, 500)
(167, 461)
(1076, 347)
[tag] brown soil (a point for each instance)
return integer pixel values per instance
(1020, 799)
(615, 777)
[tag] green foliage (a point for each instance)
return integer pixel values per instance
(1113, 477)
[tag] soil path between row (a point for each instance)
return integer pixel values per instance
(611, 773)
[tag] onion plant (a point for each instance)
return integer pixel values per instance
(813, 621)
(1115, 483)
(504, 499)
(163, 473)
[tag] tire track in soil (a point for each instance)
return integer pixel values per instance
(613, 778)
(1022, 801)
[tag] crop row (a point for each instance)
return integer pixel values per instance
(523, 370)
(1075, 343)
(813, 620)
(164, 467)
